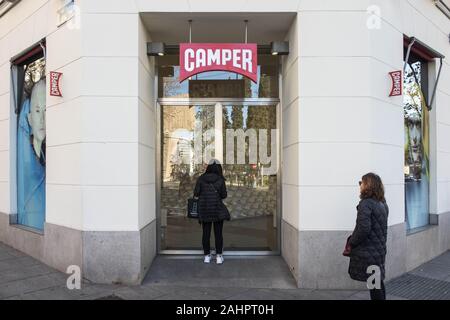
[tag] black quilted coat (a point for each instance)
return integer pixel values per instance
(368, 240)
(210, 189)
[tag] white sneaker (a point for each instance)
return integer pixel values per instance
(207, 258)
(219, 259)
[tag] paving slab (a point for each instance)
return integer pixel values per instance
(260, 294)
(216, 292)
(138, 293)
(331, 294)
(9, 275)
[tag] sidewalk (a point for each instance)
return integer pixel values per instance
(22, 277)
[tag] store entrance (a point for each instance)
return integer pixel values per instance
(243, 136)
(228, 117)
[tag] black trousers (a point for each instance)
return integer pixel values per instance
(218, 227)
(378, 294)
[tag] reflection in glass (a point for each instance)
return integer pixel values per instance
(180, 171)
(416, 168)
(252, 194)
(192, 133)
(222, 84)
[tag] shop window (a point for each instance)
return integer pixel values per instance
(218, 84)
(29, 96)
(417, 103)
(417, 156)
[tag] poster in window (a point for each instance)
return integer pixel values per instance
(31, 137)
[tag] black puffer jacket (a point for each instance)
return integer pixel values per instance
(368, 240)
(210, 189)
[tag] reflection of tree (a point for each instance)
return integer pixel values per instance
(268, 82)
(257, 117)
(180, 160)
(236, 170)
(413, 115)
(262, 117)
(205, 114)
(172, 87)
(226, 124)
(412, 100)
(247, 87)
(237, 118)
(169, 86)
(33, 73)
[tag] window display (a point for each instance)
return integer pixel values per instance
(31, 136)
(417, 146)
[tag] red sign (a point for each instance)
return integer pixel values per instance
(54, 83)
(397, 81)
(240, 58)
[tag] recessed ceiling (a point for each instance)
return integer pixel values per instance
(173, 28)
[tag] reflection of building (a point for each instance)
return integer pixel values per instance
(178, 126)
(413, 143)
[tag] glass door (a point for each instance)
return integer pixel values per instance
(180, 168)
(243, 136)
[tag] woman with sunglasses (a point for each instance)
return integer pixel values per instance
(368, 240)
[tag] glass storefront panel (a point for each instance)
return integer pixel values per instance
(179, 172)
(417, 148)
(251, 147)
(221, 84)
(244, 138)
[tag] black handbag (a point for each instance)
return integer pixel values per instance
(347, 248)
(226, 211)
(192, 210)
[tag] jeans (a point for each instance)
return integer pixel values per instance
(378, 294)
(218, 227)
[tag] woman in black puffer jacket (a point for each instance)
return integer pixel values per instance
(368, 240)
(210, 189)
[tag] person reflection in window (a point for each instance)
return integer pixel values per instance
(31, 159)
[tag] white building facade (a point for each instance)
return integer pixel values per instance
(106, 160)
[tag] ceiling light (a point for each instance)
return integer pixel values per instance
(155, 48)
(279, 48)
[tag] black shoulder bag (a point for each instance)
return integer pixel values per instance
(192, 209)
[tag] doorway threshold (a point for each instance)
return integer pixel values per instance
(237, 271)
(225, 253)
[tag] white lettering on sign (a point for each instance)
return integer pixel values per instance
(200, 59)
(226, 56)
(188, 64)
(235, 57)
(213, 57)
(247, 60)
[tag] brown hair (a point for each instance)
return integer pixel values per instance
(374, 187)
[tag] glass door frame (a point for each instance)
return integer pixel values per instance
(158, 161)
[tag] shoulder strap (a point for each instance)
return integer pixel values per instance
(212, 184)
